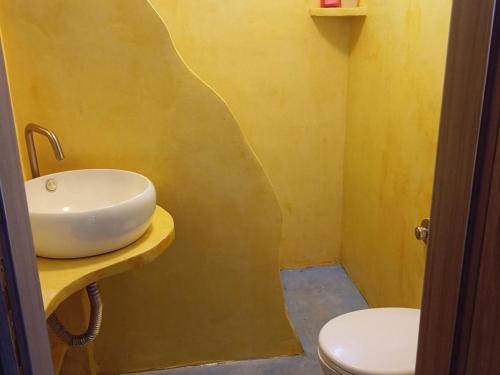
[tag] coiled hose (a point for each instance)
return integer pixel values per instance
(94, 322)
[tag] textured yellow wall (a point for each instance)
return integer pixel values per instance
(105, 77)
(284, 75)
(396, 74)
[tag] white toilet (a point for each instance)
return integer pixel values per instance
(370, 342)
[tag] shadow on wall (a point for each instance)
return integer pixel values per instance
(324, 26)
(356, 27)
(106, 78)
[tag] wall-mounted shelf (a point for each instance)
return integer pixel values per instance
(339, 12)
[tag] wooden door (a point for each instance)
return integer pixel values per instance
(460, 326)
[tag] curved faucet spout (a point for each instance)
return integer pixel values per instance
(30, 143)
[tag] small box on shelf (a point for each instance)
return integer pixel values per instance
(339, 8)
(331, 3)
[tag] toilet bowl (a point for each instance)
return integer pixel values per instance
(370, 342)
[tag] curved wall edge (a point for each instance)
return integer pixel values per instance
(106, 78)
(284, 75)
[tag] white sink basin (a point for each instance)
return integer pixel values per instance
(87, 212)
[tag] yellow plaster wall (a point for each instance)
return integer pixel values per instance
(284, 75)
(396, 72)
(105, 77)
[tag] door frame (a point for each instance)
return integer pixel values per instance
(464, 169)
(24, 339)
(480, 340)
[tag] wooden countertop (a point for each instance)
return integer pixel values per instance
(60, 278)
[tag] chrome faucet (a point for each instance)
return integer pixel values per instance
(30, 144)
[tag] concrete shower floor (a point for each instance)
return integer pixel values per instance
(313, 296)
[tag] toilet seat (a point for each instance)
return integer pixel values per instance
(329, 367)
(371, 342)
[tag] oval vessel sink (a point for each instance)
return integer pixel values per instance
(88, 212)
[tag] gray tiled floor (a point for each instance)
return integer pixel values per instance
(314, 296)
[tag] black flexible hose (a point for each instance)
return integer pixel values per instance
(94, 322)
